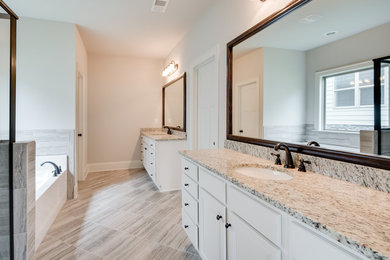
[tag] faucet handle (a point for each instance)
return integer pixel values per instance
(277, 159)
(302, 167)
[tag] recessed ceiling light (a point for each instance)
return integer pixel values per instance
(331, 33)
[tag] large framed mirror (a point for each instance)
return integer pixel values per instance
(315, 75)
(174, 104)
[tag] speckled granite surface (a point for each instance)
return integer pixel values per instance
(356, 216)
(160, 134)
(359, 174)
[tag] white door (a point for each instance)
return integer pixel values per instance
(80, 126)
(248, 110)
(212, 231)
(207, 105)
(244, 242)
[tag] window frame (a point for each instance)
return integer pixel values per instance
(320, 81)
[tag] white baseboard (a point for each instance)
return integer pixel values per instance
(112, 166)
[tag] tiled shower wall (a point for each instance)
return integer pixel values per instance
(24, 201)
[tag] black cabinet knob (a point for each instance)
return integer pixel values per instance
(146, 148)
(80, 135)
(186, 168)
(227, 225)
(186, 184)
(185, 226)
(186, 204)
(219, 217)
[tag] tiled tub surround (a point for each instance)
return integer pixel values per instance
(54, 142)
(24, 200)
(51, 193)
(366, 176)
(160, 134)
(355, 216)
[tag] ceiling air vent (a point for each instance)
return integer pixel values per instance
(160, 6)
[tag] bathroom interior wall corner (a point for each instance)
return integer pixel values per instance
(124, 95)
(221, 22)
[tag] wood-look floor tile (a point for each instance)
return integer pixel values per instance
(119, 215)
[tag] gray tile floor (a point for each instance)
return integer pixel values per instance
(119, 215)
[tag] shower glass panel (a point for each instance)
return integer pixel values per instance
(5, 230)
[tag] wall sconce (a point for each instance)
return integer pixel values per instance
(170, 69)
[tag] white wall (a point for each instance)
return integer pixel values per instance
(46, 68)
(220, 23)
(124, 95)
(4, 77)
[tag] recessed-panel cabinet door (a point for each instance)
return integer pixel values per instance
(305, 244)
(212, 231)
(244, 242)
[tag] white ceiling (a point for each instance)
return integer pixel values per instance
(347, 17)
(119, 27)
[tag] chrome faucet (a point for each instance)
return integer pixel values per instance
(57, 169)
(289, 160)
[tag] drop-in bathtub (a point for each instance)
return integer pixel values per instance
(50, 193)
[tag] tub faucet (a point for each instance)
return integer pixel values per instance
(289, 160)
(57, 169)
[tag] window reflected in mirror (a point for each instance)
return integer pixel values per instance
(310, 77)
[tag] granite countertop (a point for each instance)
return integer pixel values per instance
(356, 216)
(161, 136)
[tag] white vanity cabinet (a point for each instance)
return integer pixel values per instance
(161, 160)
(212, 231)
(234, 225)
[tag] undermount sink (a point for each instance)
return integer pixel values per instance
(263, 173)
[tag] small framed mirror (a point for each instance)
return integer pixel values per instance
(174, 104)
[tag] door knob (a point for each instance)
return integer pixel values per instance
(241, 131)
(80, 135)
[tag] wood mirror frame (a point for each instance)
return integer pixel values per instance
(184, 103)
(356, 158)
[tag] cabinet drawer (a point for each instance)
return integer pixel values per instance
(190, 186)
(190, 169)
(190, 206)
(264, 219)
(213, 185)
(190, 228)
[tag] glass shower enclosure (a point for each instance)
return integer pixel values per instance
(7, 126)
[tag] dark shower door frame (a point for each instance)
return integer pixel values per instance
(377, 98)
(12, 115)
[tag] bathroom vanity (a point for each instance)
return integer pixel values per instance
(228, 214)
(161, 159)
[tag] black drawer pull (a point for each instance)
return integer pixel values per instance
(186, 184)
(219, 217)
(185, 226)
(186, 168)
(227, 225)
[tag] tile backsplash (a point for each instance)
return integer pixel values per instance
(366, 176)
